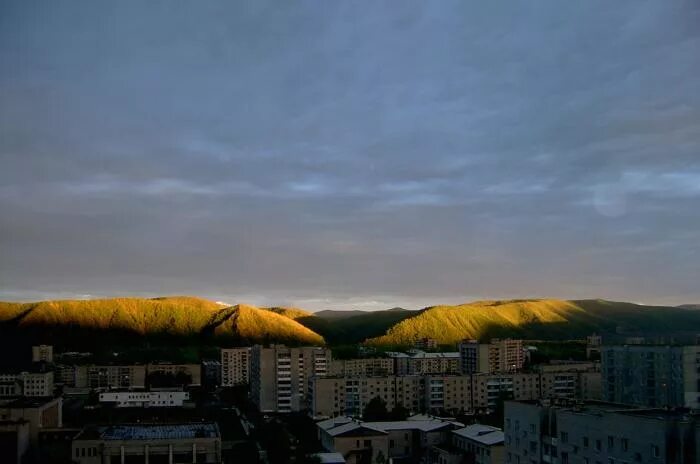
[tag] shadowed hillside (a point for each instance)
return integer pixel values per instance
(351, 327)
(86, 323)
(556, 319)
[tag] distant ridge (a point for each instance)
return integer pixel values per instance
(557, 319)
(192, 320)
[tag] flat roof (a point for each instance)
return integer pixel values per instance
(480, 433)
(341, 425)
(151, 432)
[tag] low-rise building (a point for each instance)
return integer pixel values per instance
(377, 442)
(477, 444)
(30, 384)
(145, 399)
(168, 443)
(590, 432)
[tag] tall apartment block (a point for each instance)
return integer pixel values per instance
(235, 366)
(279, 376)
(500, 355)
(597, 432)
(651, 375)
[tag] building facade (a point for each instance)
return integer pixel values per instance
(593, 432)
(279, 376)
(193, 372)
(235, 366)
(39, 413)
(380, 442)
(651, 375)
(453, 394)
(145, 399)
(169, 443)
(29, 384)
(498, 356)
(42, 353)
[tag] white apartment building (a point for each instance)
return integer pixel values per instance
(30, 384)
(145, 399)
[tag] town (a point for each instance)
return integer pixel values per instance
(487, 402)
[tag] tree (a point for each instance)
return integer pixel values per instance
(399, 413)
(375, 410)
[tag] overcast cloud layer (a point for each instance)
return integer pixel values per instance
(350, 154)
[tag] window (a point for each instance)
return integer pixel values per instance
(564, 437)
(564, 458)
(598, 445)
(624, 443)
(585, 442)
(654, 451)
(368, 443)
(611, 443)
(391, 443)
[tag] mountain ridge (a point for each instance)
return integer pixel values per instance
(205, 321)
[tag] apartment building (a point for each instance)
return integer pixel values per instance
(169, 443)
(42, 353)
(426, 344)
(434, 363)
(652, 375)
(497, 356)
(338, 396)
(378, 442)
(335, 396)
(235, 366)
(594, 343)
(279, 376)
(39, 413)
(362, 367)
(29, 384)
(193, 372)
(593, 432)
(477, 444)
(145, 399)
(417, 362)
(211, 373)
(111, 376)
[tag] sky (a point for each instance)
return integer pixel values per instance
(350, 155)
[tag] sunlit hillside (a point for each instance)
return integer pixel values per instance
(535, 318)
(254, 324)
(88, 320)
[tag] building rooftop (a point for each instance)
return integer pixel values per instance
(151, 432)
(342, 425)
(480, 433)
(330, 458)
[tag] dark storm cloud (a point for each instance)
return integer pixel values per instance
(339, 153)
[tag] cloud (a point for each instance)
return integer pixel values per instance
(341, 154)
